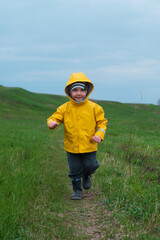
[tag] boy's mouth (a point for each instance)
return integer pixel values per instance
(79, 97)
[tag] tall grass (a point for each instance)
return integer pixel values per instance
(35, 190)
(130, 171)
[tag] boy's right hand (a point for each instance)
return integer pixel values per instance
(53, 125)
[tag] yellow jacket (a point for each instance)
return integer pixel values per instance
(82, 120)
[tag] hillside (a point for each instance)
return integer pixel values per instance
(24, 104)
(13, 100)
(18, 99)
(35, 191)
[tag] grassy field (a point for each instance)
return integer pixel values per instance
(35, 191)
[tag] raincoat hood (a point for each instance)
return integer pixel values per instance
(78, 77)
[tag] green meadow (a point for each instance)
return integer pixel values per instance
(35, 191)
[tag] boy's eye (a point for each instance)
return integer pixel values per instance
(76, 90)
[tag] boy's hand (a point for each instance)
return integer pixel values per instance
(96, 139)
(53, 125)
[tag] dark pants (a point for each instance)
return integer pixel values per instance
(82, 164)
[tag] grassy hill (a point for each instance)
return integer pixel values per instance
(124, 202)
(13, 100)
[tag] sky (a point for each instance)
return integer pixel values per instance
(115, 43)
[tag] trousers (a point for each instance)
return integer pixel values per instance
(82, 164)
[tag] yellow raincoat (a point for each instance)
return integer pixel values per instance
(82, 120)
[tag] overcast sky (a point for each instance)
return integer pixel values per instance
(115, 43)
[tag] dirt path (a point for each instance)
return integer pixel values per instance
(91, 220)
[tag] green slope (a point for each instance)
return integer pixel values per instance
(17, 103)
(17, 100)
(35, 189)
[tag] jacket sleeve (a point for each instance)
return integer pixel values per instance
(101, 122)
(58, 116)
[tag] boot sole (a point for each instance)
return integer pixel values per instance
(76, 198)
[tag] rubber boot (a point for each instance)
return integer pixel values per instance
(77, 194)
(87, 182)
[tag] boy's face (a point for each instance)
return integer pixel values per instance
(78, 94)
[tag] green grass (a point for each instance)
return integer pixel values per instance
(35, 191)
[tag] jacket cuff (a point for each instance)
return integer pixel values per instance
(100, 133)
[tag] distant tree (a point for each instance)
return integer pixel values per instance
(158, 102)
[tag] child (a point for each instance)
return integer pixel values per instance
(84, 128)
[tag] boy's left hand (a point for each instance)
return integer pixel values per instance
(96, 139)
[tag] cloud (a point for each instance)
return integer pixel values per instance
(144, 68)
(115, 43)
(41, 52)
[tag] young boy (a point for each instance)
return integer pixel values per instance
(84, 128)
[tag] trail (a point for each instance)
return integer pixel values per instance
(91, 219)
(88, 218)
